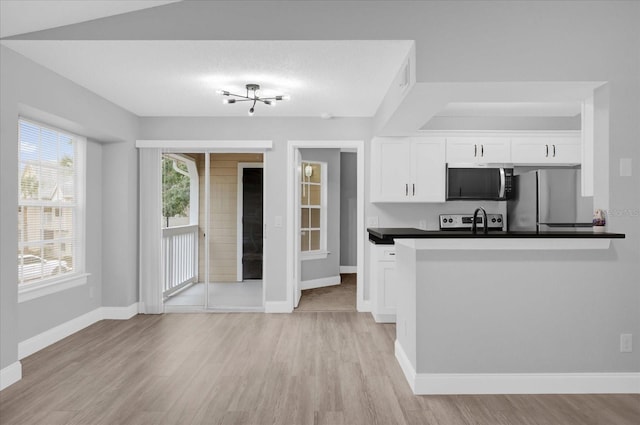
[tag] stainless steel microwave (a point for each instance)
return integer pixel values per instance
(485, 183)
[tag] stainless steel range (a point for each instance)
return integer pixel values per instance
(465, 221)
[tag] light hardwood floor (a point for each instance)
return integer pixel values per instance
(331, 298)
(307, 368)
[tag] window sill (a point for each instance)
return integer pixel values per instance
(314, 255)
(51, 287)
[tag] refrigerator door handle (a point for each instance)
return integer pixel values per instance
(502, 184)
(547, 153)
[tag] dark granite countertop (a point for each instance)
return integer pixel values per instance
(386, 235)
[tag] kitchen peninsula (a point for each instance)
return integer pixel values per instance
(480, 312)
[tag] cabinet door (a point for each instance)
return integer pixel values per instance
(429, 169)
(386, 296)
(565, 150)
(390, 170)
(546, 150)
(494, 150)
(462, 150)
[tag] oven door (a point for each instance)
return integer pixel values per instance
(476, 184)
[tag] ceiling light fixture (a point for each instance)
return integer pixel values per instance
(252, 96)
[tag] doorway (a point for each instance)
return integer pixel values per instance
(250, 221)
(230, 235)
(294, 236)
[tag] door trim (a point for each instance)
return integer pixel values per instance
(293, 242)
(240, 185)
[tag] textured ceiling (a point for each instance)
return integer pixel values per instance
(179, 78)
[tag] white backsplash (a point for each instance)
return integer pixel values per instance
(411, 215)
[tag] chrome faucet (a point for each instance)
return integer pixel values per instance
(474, 225)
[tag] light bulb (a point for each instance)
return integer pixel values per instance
(222, 92)
(285, 97)
(228, 101)
(251, 112)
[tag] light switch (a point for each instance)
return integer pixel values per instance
(625, 167)
(278, 221)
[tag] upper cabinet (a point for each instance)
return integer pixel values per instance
(408, 169)
(478, 150)
(540, 150)
(413, 169)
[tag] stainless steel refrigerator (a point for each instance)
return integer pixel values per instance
(547, 200)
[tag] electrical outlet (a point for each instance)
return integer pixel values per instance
(422, 225)
(372, 221)
(626, 343)
(278, 221)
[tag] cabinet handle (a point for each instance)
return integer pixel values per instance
(406, 189)
(482, 151)
(392, 253)
(475, 150)
(547, 154)
(414, 189)
(554, 151)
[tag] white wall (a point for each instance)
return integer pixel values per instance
(28, 89)
(348, 208)
(258, 128)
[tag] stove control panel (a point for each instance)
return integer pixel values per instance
(465, 221)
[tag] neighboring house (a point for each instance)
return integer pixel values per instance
(54, 222)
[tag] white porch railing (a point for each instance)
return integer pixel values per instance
(179, 257)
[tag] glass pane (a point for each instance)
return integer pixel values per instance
(31, 263)
(30, 222)
(315, 240)
(66, 256)
(315, 218)
(29, 141)
(67, 194)
(315, 174)
(314, 195)
(65, 221)
(66, 152)
(304, 218)
(48, 182)
(304, 194)
(29, 181)
(304, 241)
(176, 191)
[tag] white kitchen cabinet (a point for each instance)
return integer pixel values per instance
(478, 150)
(536, 150)
(383, 283)
(408, 169)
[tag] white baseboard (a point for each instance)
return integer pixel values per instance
(119, 313)
(516, 383)
(319, 283)
(364, 306)
(55, 334)
(277, 307)
(10, 375)
(348, 269)
(384, 318)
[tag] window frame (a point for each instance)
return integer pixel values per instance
(322, 252)
(49, 285)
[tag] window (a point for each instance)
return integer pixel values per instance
(313, 210)
(50, 206)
